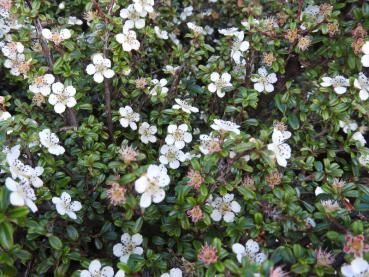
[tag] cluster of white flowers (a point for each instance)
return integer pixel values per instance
(15, 59)
(281, 150)
(224, 208)
(250, 250)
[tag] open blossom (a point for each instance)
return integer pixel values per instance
(72, 20)
(224, 207)
(19, 65)
(264, 81)
(100, 68)
(225, 126)
(147, 133)
(208, 254)
(129, 245)
(144, 5)
(229, 31)
(64, 205)
(209, 144)
(159, 87)
(250, 250)
(21, 194)
(348, 125)
(42, 84)
(219, 83)
(178, 135)
(239, 46)
(184, 106)
(362, 83)
(151, 185)
(62, 97)
(11, 49)
(128, 39)
(56, 36)
(364, 159)
(358, 136)
(365, 57)
(198, 30)
(128, 117)
(51, 142)
(133, 17)
(355, 245)
(174, 272)
(187, 11)
(339, 83)
(171, 155)
(357, 268)
(95, 269)
(162, 34)
(281, 150)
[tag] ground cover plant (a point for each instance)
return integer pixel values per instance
(184, 138)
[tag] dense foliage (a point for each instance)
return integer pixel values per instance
(184, 138)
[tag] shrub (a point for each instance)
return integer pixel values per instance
(184, 138)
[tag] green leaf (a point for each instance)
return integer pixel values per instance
(18, 212)
(55, 242)
(72, 232)
(6, 235)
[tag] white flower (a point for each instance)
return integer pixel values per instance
(362, 83)
(128, 117)
(209, 144)
(310, 222)
(159, 87)
(318, 191)
(120, 273)
(130, 245)
(11, 49)
(170, 69)
(95, 270)
(144, 5)
(239, 46)
(128, 39)
(62, 97)
(147, 133)
(281, 150)
(171, 155)
(51, 142)
(250, 250)
(23, 172)
(184, 106)
(64, 205)
(174, 272)
(348, 125)
(364, 159)
(263, 81)
(339, 83)
(186, 13)
(4, 115)
(178, 135)
(42, 84)
(21, 193)
(208, 30)
(365, 57)
(174, 38)
(100, 68)
(358, 136)
(151, 185)
(358, 268)
(19, 65)
(72, 20)
(224, 207)
(56, 36)
(162, 34)
(229, 31)
(133, 17)
(219, 83)
(227, 126)
(198, 30)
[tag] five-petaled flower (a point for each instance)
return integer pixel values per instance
(129, 245)
(100, 68)
(128, 39)
(220, 83)
(281, 150)
(21, 194)
(224, 207)
(51, 142)
(184, 106)
(250, 250)
(128, 117)
(42, 84)
(56, 36)
(95, 269)
(147, 133)
(65, 205)
(178, 135)
(362, 83)
(225, 126)
(264, 81)
(62, 97)
(151, 185)
(171, 156)
(339, 83)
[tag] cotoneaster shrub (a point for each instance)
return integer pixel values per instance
(184, 138)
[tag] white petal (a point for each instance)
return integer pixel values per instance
(158, 196)
(238, 248)
(95, 265)
(109, 73)
(90, 69)
(16, 199)
(145, 200)
(137, 239)
(141, 184)
(118, 250)
(216, 215)
(228, 217)
(340, 90)
(46, 33)
(98, 77)
(365, 60)
(214, 76)
(259, 87)
(59, 108)
(11, 184)
(107, 271)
